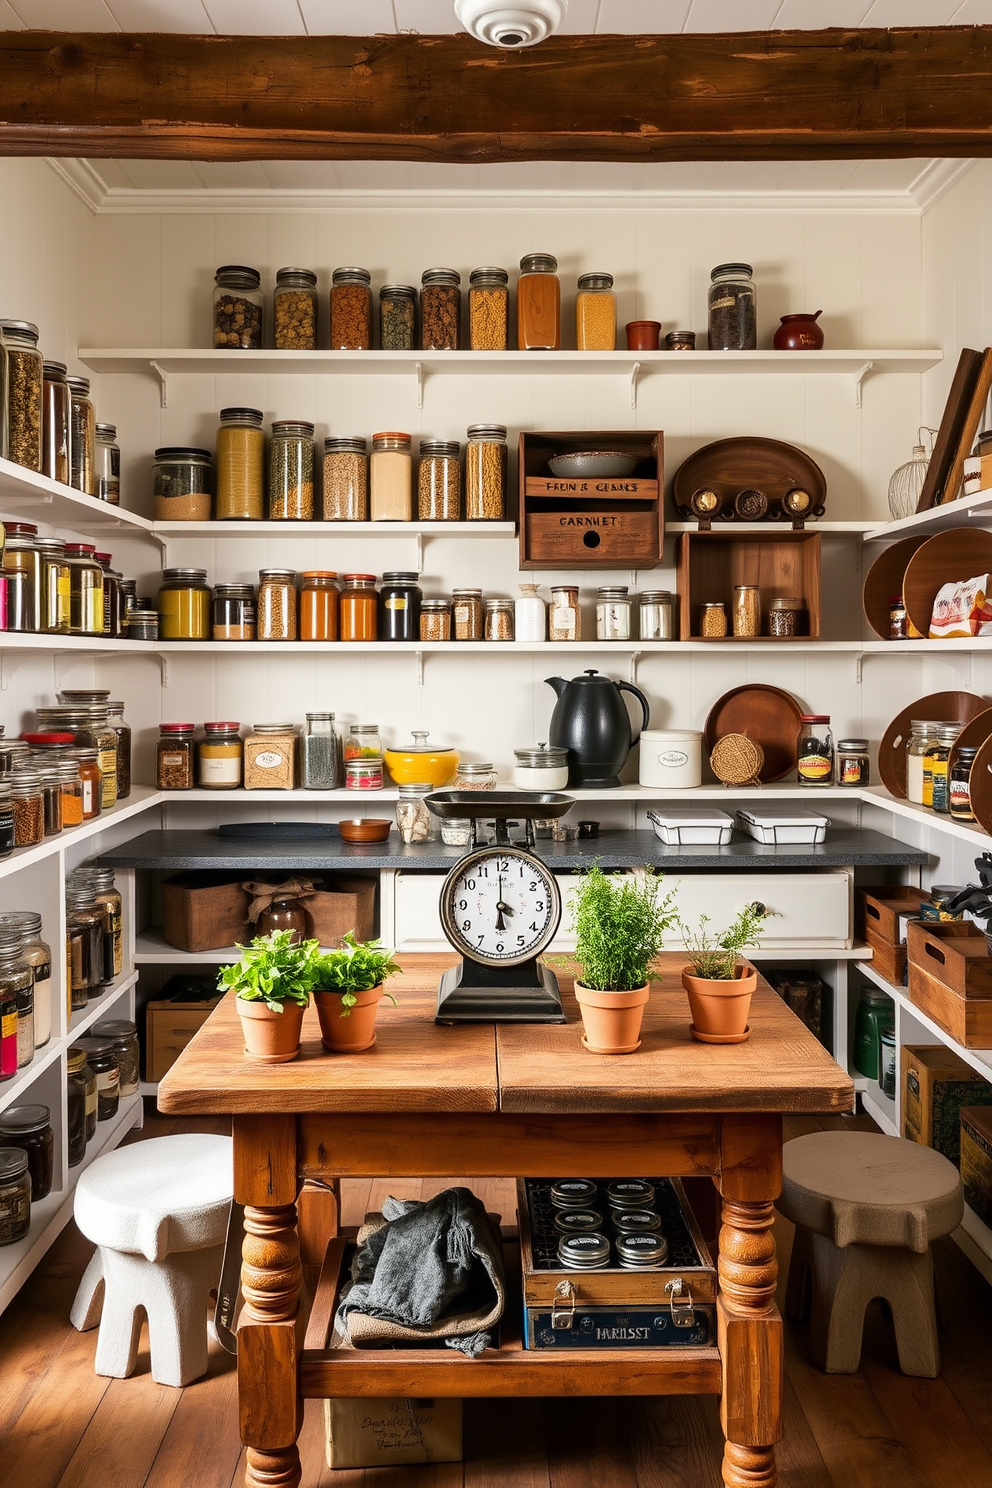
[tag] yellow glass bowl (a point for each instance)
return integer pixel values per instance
(436, 767)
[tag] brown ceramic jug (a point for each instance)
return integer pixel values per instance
(799, 333)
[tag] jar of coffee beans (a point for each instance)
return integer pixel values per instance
(440, 309)
(733, 324)
(238, 308)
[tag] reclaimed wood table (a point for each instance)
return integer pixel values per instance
(507, 1101)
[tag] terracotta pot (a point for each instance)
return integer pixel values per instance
(799, 333)
(612, 1020)
(354, 1033)
(643, 335)
(270, 1038)
(719, 1008)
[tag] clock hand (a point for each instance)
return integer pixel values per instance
(500, 906)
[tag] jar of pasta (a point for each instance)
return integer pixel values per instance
(240, 466)
(291, 460)
(319, 606)
(277, 605)
(358, 607)
(346, 480)
(487, 308)
(182, 480)
(294, 310)
(391, 477)
(397, 317)
(184, 605)
(219, 756)
(440, 309)
(439, 481)
(270, 757)
(351, 310)
(596, 313)
(485, 472)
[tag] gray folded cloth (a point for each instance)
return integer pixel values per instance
(435, 1268)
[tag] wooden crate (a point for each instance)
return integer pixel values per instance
(711, 564)
(936, 1083)
(966, 1019)
(878, 914)
(204, 911)
(169, 1027)
(952, 953)
(597, 523)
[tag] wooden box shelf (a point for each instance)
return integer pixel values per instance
(599, 522)
(782, 564)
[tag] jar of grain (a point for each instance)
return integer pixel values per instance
(291, 461)
(613, 613)
(22, 557)
(82, 439)
(399, 607)
(184, 605)
(498, 622)
(55, 423)
(25, 380)
(565, 620)
(358, 607)
(439, 481)
(732, 321)
(238, 308)
(468, 613)
(351, 310)
(713, 620)
(320, 750)
(277, 605)
(319, 606)
(346, 480)
(440, 309)
(391, 477)
(28, 801)
(596, 313)
(85, 590)
(240, 466)
(175, 756)
(485, 472)
(538, 303)
(220, 756)
(747, 611)
(294, 310)
(435, 620)
(108, 465)
(270, 757)
(487, 309)
(181, 482)
(413, 819)
(397, 317)
(232, 613)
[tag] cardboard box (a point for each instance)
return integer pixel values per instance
(169, 1027)
(935, 1085)
(389, 1433)
(347, 904)
(976, 1159)
(204, 911)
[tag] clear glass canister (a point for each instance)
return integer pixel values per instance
(15, 1195)
(184, 605)
(21, 555)
(240, 466)
(113, 599)
(435, 620)
(918, 782)
(219, 756)
(232, 612)
(291, 462)
(613, 608)
(747, 611)
(468, 614)
(294, 310)
(440, 310)
(595, 313)
(362, 742)
(498, 621)
(25, 380)
(565, 615)
(123, 1035)
(363, 775)
(278, 605)
(72, 792)
(75, 1104)
(85, 590)
(107, 900)
(28, 801)
(82, 443)
(786, 616)
(319, 604)
(656, 615)
(51, 792)
(108, 465)
(853, 765)
(56, 424)
(485, 472)
(413, 818)
(8, 1011)
(6, 818)
(391, 477)
(815, 750)
(712, 620)
(538, 303)
(397, 317)
(321, 763)
(87, 761)
(175, 756)
(439, 481)
(237, 303)
(358, 610)
(17, 982)
(938, 759)
(270, 757)
(78, 1069)
(488, 299)
(351, 310)
(182, 480)
(731, 306)
(346, 480)
(36, 952)
(117, 721)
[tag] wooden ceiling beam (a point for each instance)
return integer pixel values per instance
(780, 95)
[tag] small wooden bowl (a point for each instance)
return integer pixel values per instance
(365, 829)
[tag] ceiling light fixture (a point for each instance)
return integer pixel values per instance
(511, 26)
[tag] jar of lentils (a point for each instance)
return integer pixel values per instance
(238, 308)
(346, 480)
(439, 481)
(351, 310)
(277, 605)
(440, 309)
(485, 472)
(397, 317)
(487, 309)
(435, 620)
(294, 310)
(291, 460)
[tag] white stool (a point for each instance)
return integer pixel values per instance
(157, 1212)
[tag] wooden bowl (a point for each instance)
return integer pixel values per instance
(365, 829)
(960, 553)
(943, 707)
(768, 716)
(883, 580)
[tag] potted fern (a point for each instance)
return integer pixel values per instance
(348, 987)
(718, 981)
(619, 924)
(271, 981)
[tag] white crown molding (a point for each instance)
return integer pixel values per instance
(82, 180)
(936, 179)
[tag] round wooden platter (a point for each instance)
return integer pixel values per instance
(972, 736)
(883, 580)
(981, 784)
(769, 716)
(943, 707)
(948, 557)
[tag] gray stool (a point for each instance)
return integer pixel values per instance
(866, 1208)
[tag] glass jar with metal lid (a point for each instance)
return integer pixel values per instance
(28, 802)
(636, 1221)
(391, 477)
(55, 423)
(363, 774)
(270, 757)
(72, 791)
(613, 608)
(920, 732)
(641, 1252)
(413, 818)
(589, 1251)
(26, 923)
(351, 310)
(294, 310)
(107, 899)
(468, 614)
(22, 555)
(25, 380)
(8, 1010)
(357, 607)
(184, 605)
(321, 763)
(959, 785)
(175, 756)
(237, 307)
(107, 465)
(656, 615)
(731, 308)
(82, 443)
(564, 614)
(17, 978)
(51, 795)
(853, 765)
(219, 756)
(232, 612)
(595, 313)
(123, 1035)
(397, 317)
(84, 947)
(542, 769)
(747, 611)
(538, 303)
(15, 1195)
(362, 742)
(578, 1221)
(630, 1193)
(6, 818)
(439, 481)
(574, 1193)
(85, 590)
(56, 586)
(938, 757)
(277, 605)
(485, 472)
(87, 764)
(291, 462)
(113, 600)
(16, 601)
(346, 480)
(94, 728)
(399, 606)
(435, 620)
(240, 466)
(142, 625)
(182, 481)
(101, 1059)
(476, 775)
(440, 309)
(488, 299)
(787, 617)
(319, 605)
(498, 620)
(79, 1069)
(30, 1129)
(75, 1117)
(815, 750)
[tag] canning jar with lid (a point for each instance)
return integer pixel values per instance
(270, 757)
(917, 781)
(538, 303)
(440, 309)
(321, 765)
(55, 423)
(123, 1035)
(542, 769)
(51, 798)
(613, 613)
(28, 802)
(36, 952)
(182, 483)
(346, 480)
(107, 465)
(786, 617)
(595, 313)
(113, 600)
(435, 620)
(747, 611)
(219, 756)
(391, 477)
(237, 305)
(82, 441)
(72, 791)
(8, 1013)
(79, 1069)
(712, 619)
(15, 1195)
(240, 466)
(175, 756)
(656, 615)
(87, 762)
(319, 606)
(439, 481)
(362, 742)
(277, 605)
(468, 614)
(815, 750)
(184, 605)
(399, 607)
(294, 310)
(485, 472)
(498, 620)
(17, 979)
(25, 380)
(93, 730)
(232, 612)
(101, 1060)
(413, 818)
(6, 818)
(397, 317)
(351, 310)
(30, 1129)
(16, 601)
(731, 308)
(488, 299)
(853, 763)
(959, 784)
(565, 616)
(56, 586)
(357, 607)
(84, 946)
(363, 774)
(291, 462)
(938, 759)
(21, 555)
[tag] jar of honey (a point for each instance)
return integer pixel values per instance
(319, 607)
(538, 303)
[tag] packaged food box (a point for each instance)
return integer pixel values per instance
(936, 1083)
(391, 1433)
(976, 1159)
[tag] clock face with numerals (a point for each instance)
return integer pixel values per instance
(500, 906)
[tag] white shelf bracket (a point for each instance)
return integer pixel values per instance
(420, 668)
(420, 552)
(419, 367)
(632, 668)
(163, 383)
(859, 378)
(634, 374)
(163, 667)
(10, 661)
(859, 662)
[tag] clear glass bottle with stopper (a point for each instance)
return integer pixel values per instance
(906, 483)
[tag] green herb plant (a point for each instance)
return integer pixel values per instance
(714, 957)
(356, 966)
(274, 969)
(619, 924)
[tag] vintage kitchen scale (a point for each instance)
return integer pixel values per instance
(500, 908)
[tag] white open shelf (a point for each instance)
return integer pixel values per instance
(877, 795)
(291, 530)
(33, 497)
(140, 799)
(937, 519)
(979, 1059)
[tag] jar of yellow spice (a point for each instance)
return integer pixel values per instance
(596, 313)
(487, 308)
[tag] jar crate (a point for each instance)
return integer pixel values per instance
(595, 522)
(781, 564)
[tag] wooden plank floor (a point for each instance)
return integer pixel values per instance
(61, 1426)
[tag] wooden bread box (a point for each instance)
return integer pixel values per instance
(950, 979)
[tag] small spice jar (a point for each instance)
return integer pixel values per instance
(363, 775)
(656, 615)
(320, 753)
(578, 1221)
(184, 605)
(815, 750)
(391, 477)
(586, 1252)
(87, 761)
(786, 617)
(499, 620)
(397, 317)
(346, 480)
(291, 462)
(276, 617)
(28, 802)
(319, 606)
(898, 618)
(79, 1069)
(123, 1035)
(574, 1193)
(413, 818)
(713, 620)
(51, 792)
(8, 1011)
(219, 756)
(731, 306)
(680, 341)
(270, 757)
(17, 978)
(435, 620)
(641, 1252)
(30, 1129)
(747, 611)
(357, 607)
(488, 299)
(351, 310)
(15, 1195)
(399, 607)
(174, 759)
(240, 466)
(294, 310)
(595, 313)
(538, 303)
(141, 625)
(106, 899)
(72, 793)
(440, 309)
(82, 440)
(56, 586)
(959, 784)
(232, 613)
(468, 614)
(475, 775)
(362, 742)
(182, 480)
(439, 481)
(55, 423)
(25, 381)
(613, 613)
(853, 765)
(101, 1060)
(237, 306)
(485, 472)
(107, 465)
(565, 616)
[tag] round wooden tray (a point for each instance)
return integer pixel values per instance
(960, 553)
(749, 462)
(769, 716)
(944, 707)
(972, 736)
(885, 578)
(981, 784)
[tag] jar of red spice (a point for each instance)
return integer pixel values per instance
(358, 607)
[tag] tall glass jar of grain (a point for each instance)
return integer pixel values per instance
(277, 605)
(25, 378)
(538, 303)
(351, 310)
(397, 317)
(108, 465)
(238, 308)
(240, 466)
(596, 313)
(294, 310)
(439, 481)
(440, 309)
(391, 477)
(487, 308)
(485, 472)
(55, 422)
(291, 459)
(181, 483)
(82, 444)
(346, 480)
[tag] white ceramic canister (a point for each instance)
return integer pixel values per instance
(671, 759)
(542, 769)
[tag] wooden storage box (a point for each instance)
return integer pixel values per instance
(782, 564)
(169, 1027)
(348, 904)
(953, 953)
(392, 1433)
(600, 522)
(204, 911)
(976, 1159)
(936, 1083)
(880, 920)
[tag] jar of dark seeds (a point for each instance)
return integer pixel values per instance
(397, 317)
(321, 762)
(346, 480)
(294, 310)
(291, 459)
(785, 617)
(439, 481)
(732, 319)
(440, 309)
(25, 378)
(238, 308)
(485, 472)
(351, 310)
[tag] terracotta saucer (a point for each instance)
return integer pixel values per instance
(719, 1038)
(628, 1050)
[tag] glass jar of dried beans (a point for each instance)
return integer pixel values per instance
(440, 309)
(294, 310)
(351, 310)
(346, 480)
(238, 308)
(487, 309)
(439, 481)
(277, 605)
(291, 461)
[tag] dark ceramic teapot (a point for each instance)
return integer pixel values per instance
(590, 720)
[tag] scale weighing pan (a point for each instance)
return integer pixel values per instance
(499, 805)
